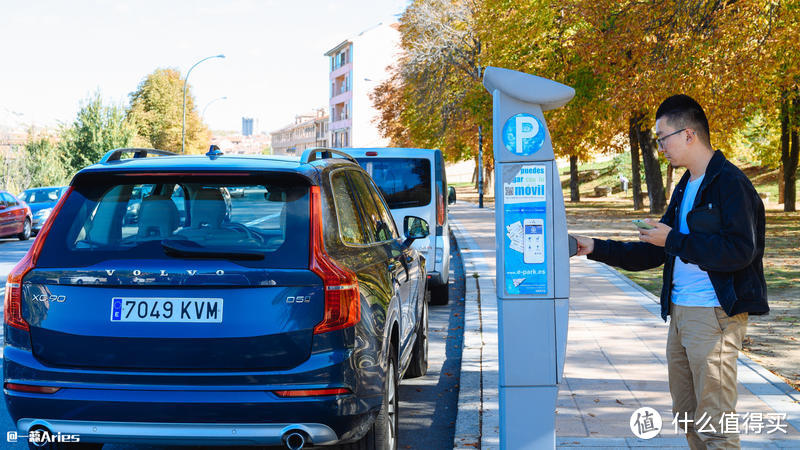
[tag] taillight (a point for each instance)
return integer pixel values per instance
(342, 297)
(440, 207)
(32, 388)
(13, 303)
(312, 392)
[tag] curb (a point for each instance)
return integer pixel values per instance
(478, 418)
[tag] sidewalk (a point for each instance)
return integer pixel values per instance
(615, 359)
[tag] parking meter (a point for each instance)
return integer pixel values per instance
(532, 256)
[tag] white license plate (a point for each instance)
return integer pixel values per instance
(187, 310)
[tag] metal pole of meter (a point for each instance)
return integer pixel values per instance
(480, 166)
(533, 252)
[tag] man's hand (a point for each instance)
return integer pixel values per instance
(585, 245)
(656, 236)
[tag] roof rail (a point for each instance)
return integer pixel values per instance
(115, 155)
(311, 154)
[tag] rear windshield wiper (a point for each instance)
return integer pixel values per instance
(193, 250)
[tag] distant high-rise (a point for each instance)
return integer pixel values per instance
(353, 78)
(247, 126)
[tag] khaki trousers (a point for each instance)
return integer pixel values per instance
(702, 347)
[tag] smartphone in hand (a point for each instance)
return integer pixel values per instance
(642, 224)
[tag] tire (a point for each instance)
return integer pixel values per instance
(26, 231)
(419, 356)
(440, 295)
(382, 435)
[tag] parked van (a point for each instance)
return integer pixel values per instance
(413, 182)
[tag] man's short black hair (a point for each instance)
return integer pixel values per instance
(682, 111)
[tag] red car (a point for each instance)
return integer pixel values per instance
(15, 217)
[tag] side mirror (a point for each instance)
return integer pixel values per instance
(451, 195)
(414, 228)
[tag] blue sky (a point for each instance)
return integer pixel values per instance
(56, 53)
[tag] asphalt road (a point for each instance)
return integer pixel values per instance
(428, 405)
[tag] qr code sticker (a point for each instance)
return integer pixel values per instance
(509, 191)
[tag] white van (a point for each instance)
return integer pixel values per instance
(413, 182)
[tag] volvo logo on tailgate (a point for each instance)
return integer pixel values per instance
(186, 310)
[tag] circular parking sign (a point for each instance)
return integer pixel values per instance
(523, 134)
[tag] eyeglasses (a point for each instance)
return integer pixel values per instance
(664, 138)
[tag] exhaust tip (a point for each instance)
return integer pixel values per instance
(294, 440)
(39, 435)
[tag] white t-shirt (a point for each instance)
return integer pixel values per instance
(690, 285)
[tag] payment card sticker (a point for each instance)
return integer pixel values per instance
(525, 219)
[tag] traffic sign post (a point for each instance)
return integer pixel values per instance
(532, 256)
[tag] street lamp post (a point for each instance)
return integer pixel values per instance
(183, 127)
(203, 114)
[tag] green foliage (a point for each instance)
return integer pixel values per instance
(758, 140)
(156, 114)
(97, 129)
(46, 164)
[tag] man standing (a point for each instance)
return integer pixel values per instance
(711, 243)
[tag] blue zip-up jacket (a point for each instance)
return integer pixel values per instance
(726, 239)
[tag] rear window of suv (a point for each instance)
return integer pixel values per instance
(178, 216)
(404, 182)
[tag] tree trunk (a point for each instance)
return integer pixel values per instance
(475, 174)
(636, 178)
(574, 182)
(790, 175)
(670, 173)
(788, 157)
(652, 169)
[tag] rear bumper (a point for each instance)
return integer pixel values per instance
(180, 433)
(189, 417)
(146, 407)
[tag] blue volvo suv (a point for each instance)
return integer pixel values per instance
(286, 316)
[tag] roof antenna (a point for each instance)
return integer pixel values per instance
(214, 152)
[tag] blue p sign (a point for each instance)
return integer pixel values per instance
(523, 134)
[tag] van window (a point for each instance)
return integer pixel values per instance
(145, 217)
(404, 182)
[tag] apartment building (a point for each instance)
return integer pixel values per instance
(357, 66)
(308, 130)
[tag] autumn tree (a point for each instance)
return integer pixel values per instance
(534, 36)
(648, 50)
(435, 97)
(156, 113)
